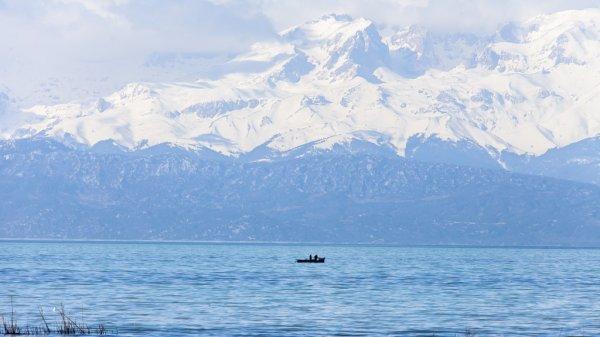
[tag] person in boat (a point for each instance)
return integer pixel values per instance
(310, 258)
(316, 257)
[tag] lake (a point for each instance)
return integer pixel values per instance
(201, 289)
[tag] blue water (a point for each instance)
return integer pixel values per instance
(145, 289)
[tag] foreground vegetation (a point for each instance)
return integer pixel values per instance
(62, 324)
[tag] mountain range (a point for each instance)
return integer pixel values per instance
(337, 130)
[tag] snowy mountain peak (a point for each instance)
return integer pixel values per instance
(529, 88)
(341, 45)
(326, 29)
(411, 38)
(547, 41)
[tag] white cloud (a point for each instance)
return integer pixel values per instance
(446, 15)
(80, 39)
(113, 26)
(40, 40)
(487, 15)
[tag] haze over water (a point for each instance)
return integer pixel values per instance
(160, 289)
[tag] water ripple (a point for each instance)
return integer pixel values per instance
(258, 290)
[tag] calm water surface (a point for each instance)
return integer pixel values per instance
(145, 289)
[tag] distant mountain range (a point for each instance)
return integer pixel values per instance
(333, 131)
(351, 194)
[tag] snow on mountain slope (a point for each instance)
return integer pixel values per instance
(530, 88)
(414, 50)
(544, 42)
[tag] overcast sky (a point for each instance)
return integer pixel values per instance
(58, 34)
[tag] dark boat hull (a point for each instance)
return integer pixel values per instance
(320, 260)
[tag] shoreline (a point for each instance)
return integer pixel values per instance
(287, 243)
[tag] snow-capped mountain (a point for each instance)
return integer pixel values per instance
(331, 132)
(531, 87)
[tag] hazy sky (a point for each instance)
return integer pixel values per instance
(45, 35)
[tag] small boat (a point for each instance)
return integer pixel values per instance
(319, 260)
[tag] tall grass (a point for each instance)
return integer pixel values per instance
(62, 325)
